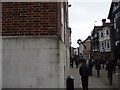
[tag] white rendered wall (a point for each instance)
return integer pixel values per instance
(33, 62)
(105, 38)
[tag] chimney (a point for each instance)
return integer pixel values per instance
(103, 21)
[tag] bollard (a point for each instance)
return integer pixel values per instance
(70, 83)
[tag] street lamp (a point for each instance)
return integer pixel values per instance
(79, 41)
(69, 5)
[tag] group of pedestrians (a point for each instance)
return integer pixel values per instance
(75, 59)
(97, 65)
(85, 71)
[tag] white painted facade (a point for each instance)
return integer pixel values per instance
(81, 49)
(87, 50)
(34, 62)
(104, 39)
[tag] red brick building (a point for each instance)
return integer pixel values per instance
(35, 44)
(35, 18)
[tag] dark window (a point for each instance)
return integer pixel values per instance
(102, 45)
(108, 45)
(101, 34)
(105, 43)
(107, 32)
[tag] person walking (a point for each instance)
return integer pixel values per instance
(118, 63)
(84, 72)
(90, 64)
(76, 59)
(103, 63)
(71, 62)
(98, 67)
(110, 69)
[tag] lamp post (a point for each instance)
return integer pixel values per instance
(79, 41)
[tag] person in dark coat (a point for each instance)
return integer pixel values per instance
(103, 63)
(71, 62)
(98, 67)
(76, 59)
(118, 63)
(90, 64)
(84, 72)
(110, 69)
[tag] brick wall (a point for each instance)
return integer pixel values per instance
(29, 18)
(62, 26)
(59, 24)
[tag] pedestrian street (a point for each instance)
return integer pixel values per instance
(94, 80)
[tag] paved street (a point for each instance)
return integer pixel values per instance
(94, 81)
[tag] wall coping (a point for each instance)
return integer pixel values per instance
(41, 36)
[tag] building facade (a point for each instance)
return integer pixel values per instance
(105, 41)
(114, 16)
(87, 48)
(35, 44)
(102, 42)
(80, 51)
(95, 43)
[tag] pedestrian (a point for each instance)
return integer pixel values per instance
(71, 62)
(118, 63)
(103, 63)
(110, 69)
(76, 59)
(98, 67)
(84, 72)
(90, 64)
(115, 64)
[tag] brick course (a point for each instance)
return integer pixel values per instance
(29, 18)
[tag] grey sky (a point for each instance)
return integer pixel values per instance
(83, 14)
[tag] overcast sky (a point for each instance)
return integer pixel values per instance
(84, 14)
